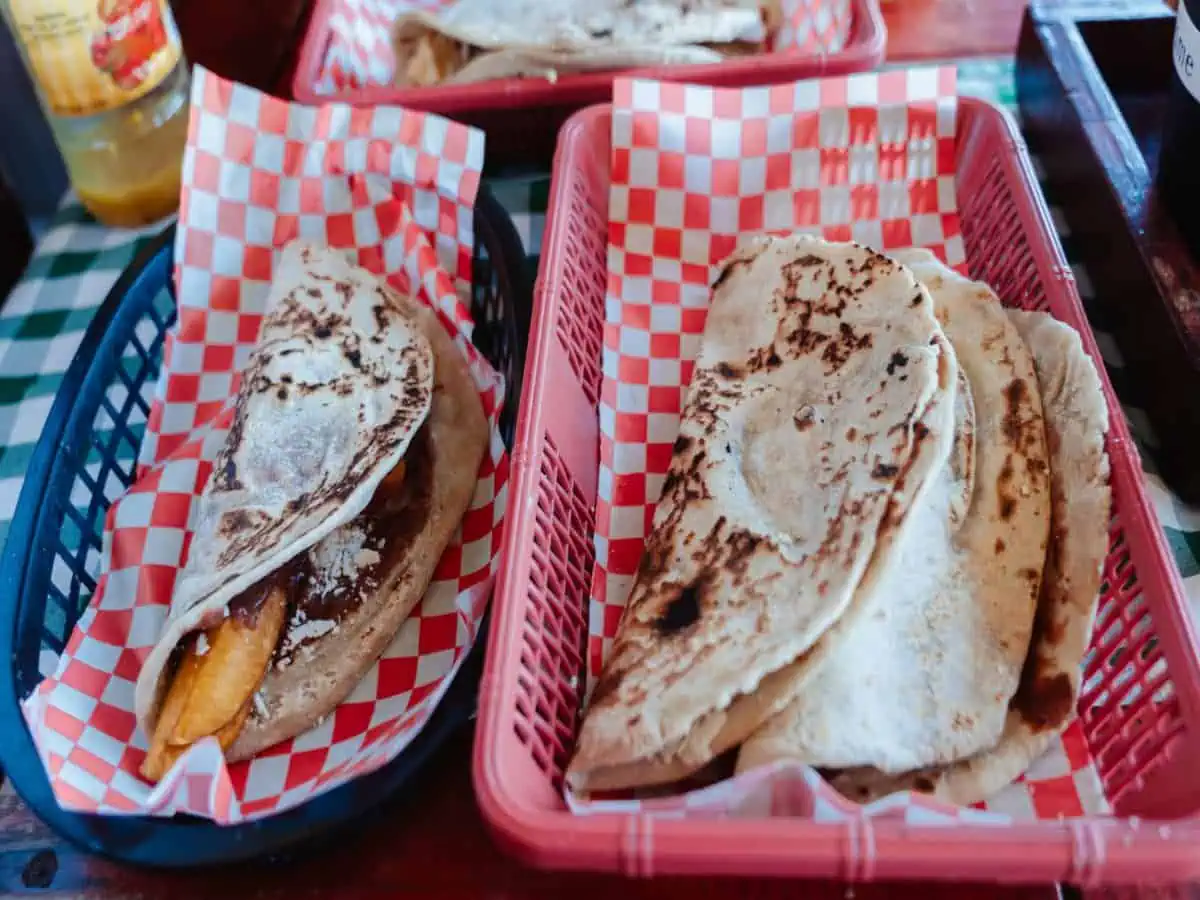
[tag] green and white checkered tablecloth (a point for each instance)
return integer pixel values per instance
(76, 262)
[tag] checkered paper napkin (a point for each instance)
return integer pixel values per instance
(399, 188)
(359, 51)
(869, 158)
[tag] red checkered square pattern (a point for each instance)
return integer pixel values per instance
(397, 187)
(814, 26)
(694, 169)
(359, 51)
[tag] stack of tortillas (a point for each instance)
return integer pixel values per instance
(879, 545)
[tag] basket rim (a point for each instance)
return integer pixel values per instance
(1085, 850)
(181, 841)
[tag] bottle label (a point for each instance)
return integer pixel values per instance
(89, 56)
(1187, 51)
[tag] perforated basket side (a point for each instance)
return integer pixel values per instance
(534, 675)
(97, 427)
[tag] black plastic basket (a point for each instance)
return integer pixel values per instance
(86, 457)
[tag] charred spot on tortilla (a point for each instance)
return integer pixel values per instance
(898, 360)
(1000, 546)
(1036, 466)
(922, 783)
(916, 301)
(805, 339)
(764, 359)
(681, 612)
(728, 269)
(682, 444)
(838, 352)
(353, 356)
(1021, 432)
(226, 478)
(1042, 702)
(1008, 502)
(379, 312)
(725, 370)
(655, 559)
(884, 471)
(240, 520)
(322, 332)
(740, 546)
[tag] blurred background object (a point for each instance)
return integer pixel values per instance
(15, 238)
(252, 42)
(29, 161)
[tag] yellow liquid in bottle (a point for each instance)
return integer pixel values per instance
(125, 165)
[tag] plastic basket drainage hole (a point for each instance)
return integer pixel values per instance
(39, 872)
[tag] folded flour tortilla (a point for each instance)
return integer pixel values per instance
(353, 454)
(1076, 426)
(926, 677)
(821, 405)
(478, 40)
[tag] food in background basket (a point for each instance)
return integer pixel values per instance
(481, 40)
(352, 456)
(821, 407)
(1076, 423)
(926, 677)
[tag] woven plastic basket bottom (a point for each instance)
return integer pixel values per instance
(1137, 706)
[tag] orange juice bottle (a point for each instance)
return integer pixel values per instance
(113, 81)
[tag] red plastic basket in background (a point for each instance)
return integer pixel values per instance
(522, 115)
(1140, 704)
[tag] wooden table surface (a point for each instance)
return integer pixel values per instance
(433, 843)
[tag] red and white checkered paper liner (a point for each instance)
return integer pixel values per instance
(398, 187)
(359, 53)
(867, 158)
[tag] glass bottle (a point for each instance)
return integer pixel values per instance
(113, 82)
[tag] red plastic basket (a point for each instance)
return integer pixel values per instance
(543, 105)
(1140, 705)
